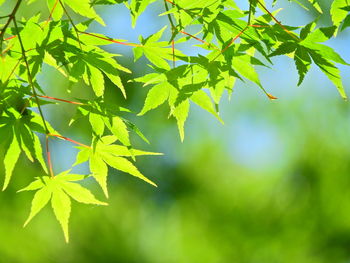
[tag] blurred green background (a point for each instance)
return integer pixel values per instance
(271, 185)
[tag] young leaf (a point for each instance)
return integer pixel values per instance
(126, 166)
(97, 123)
(99, 171)
(61, 206)
(10, 160)
(80, 194)
(97, 80)
(302, 62)
(181, 113)
(156, 96)
(40, 199)
(120, 130)
(203, 100)
(337, 13)
(39, 153)
(83, 8)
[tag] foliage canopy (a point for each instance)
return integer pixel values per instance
(232, 42)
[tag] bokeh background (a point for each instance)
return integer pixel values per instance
(271, 185)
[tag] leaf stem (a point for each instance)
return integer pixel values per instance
(13, 70)
(110, 39)
(231, 42)
(68, 101)
(51, 12)
(278, 22)
(240, 33)
(68, 139)
(196, 38)
(48, 154)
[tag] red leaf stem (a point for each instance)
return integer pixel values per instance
(110, 39)
(68, 139)
(68, 101)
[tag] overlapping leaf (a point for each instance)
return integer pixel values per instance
(106, 153)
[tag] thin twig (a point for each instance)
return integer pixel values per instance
(231, 42)
(173, 51)
(11, 17)
(51, 12)
(48, 154)
(1, 17)
(71, 21)
(68, 139)
(250, 12)
(9, 38)
(180, 8)
(240, 33)
(110, 39)
(198, 39)
(173, 28)
(68, 101)
(30, 79)
(278, 22)
(46, 22)
(13, 70)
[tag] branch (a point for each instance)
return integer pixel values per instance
(1, 17)
(11, 17)
(172, 30)
(240, 33)
(30, 79)
(71, 21)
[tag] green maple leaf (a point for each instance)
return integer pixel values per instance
(60, 190)
(105, 153)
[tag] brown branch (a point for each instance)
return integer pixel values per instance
(1, 17)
